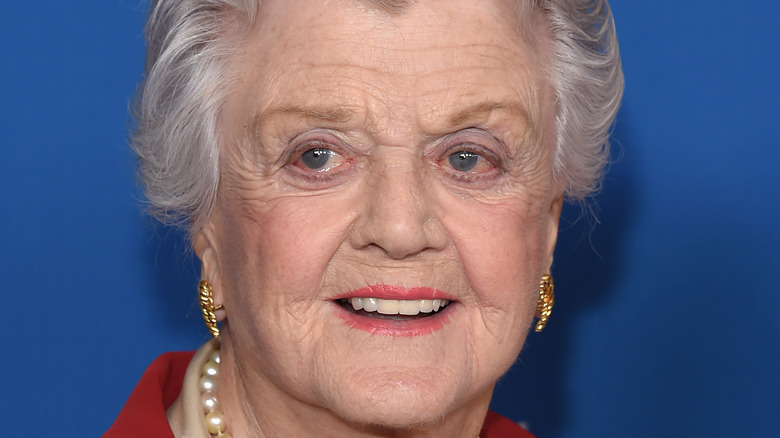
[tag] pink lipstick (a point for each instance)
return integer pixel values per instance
(395, 310)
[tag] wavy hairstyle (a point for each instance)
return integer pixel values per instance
(185, 87)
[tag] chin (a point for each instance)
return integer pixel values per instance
(398, 402)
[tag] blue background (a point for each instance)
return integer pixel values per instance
(666, 321)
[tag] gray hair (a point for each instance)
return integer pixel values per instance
(186, 86)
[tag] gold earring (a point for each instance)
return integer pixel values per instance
(208, 308)
(546, 300)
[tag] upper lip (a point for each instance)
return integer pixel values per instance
(393, 292)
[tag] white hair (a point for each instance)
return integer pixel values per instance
(186, 86)
(587, 77)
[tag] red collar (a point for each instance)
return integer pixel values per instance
(144, 412)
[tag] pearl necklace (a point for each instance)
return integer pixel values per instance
(215, 421)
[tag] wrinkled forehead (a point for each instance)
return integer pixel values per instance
(408, 25)
(357, 54)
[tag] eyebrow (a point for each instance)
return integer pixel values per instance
(318, 113)
(485, 108)
(321, 113)
(342, 115)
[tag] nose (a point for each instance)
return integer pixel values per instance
(399, 217)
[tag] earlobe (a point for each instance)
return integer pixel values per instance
(546, 295)
(552, 232)
(204, 244)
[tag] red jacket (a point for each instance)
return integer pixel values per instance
(144, 413)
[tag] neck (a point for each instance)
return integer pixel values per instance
(254, 407)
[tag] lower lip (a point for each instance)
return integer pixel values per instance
(403, 328)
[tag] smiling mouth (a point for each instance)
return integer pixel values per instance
(393, 309)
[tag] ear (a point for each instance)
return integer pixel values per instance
(205, 245)
(552, 230)
(552, 237)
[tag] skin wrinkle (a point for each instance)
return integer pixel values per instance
(521, 153)
(405, 49)
(285, 250)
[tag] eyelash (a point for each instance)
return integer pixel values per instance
(439, 160)
(312, 175)
(468, 177)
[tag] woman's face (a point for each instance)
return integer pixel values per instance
(385, 157)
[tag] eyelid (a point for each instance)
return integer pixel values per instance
(307, 178)
(473, 140)
(311, 140)
(482, 151)
(299, 150)
(471, 175)
(490, 148)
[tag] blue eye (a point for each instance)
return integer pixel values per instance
(463, 161)
(316, 158)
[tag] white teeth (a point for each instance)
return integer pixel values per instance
(387, 307)
(370, 304)
(409, 307)
(397, 307)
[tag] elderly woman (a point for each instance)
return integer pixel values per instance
(373, 189)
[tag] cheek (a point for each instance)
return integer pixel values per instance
(501, 246)
(276, 249)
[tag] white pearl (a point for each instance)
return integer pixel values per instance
(215, 422)
(209, 402)
(208, 384)
(210, 368)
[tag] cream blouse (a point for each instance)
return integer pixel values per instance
(186, 415)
